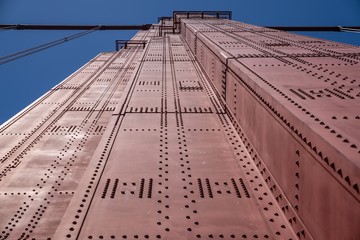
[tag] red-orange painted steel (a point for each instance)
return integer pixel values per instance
(225, 130)
(296, 101)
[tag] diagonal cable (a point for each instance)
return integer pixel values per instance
(29, 51)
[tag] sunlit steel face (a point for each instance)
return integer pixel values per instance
(221, 130)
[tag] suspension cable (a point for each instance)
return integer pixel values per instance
(10, 27)
(29, 51)
(349, 29)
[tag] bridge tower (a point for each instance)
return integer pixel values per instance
(199, 128)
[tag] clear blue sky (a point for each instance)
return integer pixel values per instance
(25, 80)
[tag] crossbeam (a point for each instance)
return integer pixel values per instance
(74, 27)
(148, 26)
(316, 28)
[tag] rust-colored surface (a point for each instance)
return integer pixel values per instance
(225, 130)
(296, 99)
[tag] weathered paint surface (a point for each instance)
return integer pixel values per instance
(225, 130)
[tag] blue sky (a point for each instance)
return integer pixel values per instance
(24, 80)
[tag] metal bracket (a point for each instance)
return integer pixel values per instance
(163, 26)
(201, 14)
(119, 44)
(161, 19)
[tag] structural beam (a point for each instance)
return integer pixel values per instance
(147, 26)
(315, 28)
(74, 27)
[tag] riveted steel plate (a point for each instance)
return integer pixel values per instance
(227, 131)
(305, 98)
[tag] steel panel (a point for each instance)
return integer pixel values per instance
(312, 97)
(159, 150)
(322, 186)
(228, 130)
(291, 168)
(235, 46)
(191, 39)
(49, 161)
(39, 113)
(312, 88)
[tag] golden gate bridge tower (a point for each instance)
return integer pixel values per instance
(199, 127)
